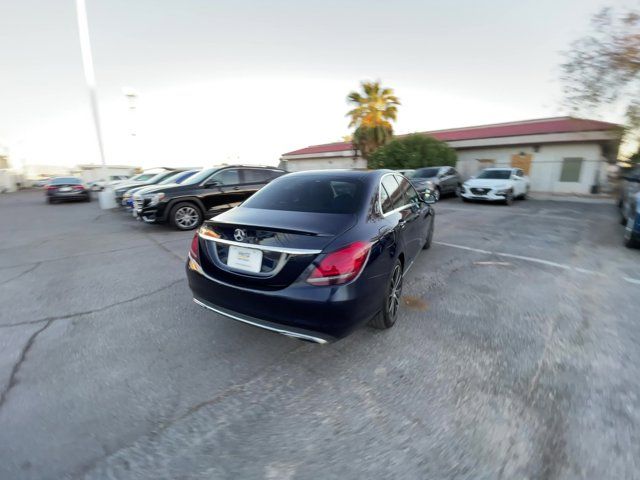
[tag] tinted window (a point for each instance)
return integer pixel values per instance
(314, 194)
(409, 193)
(495, 174)
(426, 173)
(199, 177)
(229, 176)
(158, 177)
(390, 196)
(178, 177)
(171, 178)
(66, 180)
(254, 175)
(143, 177)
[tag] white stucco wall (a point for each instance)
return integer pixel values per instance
(8, 181)
(546, 164)
(93, 174)
(298, 165)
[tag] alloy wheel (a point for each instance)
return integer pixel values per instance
(394, 293)
(187, 217)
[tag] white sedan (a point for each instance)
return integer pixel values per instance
(496, 185)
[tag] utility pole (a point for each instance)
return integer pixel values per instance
(106, 195)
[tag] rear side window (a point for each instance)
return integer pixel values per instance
(311, 194)
(409, 194)
(254, 175)
(390, 194)
(226, 177)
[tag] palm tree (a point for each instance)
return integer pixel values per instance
(371, 116)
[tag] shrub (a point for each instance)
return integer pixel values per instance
(413, 151)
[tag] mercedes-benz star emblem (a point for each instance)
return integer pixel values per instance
(239, 234)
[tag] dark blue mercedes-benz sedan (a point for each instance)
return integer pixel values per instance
(313, 255)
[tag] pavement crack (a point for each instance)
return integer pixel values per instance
(28, 270)
(95, 310)
(13, 381)
(77, 255)
(228, 392)
(162, 247)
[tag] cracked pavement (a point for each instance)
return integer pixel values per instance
(499, 366)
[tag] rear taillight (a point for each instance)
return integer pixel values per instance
(194, 251)
(341, 266)
(194, 255)
(78, 187)
(51, 187)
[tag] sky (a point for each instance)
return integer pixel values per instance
(247, 80)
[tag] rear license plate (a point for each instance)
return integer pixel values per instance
(247, 259)
(65, 189)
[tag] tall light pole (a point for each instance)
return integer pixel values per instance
(106, 196)
(132, 99)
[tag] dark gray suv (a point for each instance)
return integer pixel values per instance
(440, 180)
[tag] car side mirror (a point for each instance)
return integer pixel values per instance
(429, 197)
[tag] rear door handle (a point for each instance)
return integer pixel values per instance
(236, 188)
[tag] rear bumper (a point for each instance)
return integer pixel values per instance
(320, 314)
(274, 327)
(69, 196)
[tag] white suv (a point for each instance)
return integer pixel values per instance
(497, 185)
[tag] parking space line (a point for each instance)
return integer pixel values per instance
(463, 247)
(536, 260)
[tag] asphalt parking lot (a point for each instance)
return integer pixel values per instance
(516, 355)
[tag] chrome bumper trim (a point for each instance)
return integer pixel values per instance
(289, 251)
(282, 331)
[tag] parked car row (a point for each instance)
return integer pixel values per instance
(629, 204)
(492, 184)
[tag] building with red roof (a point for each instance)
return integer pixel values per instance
(560, 154)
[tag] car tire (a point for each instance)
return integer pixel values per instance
(623, 219)
(185, 216)
(629, 240)
(427, 243)
(508, 198)
(387, 317)
(88, 199)
(465, 200)
(50, 200)
(457, 191)
(525, 194)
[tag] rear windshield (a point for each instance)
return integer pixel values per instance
(66, 181)
(495, 174)
(309, 194)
